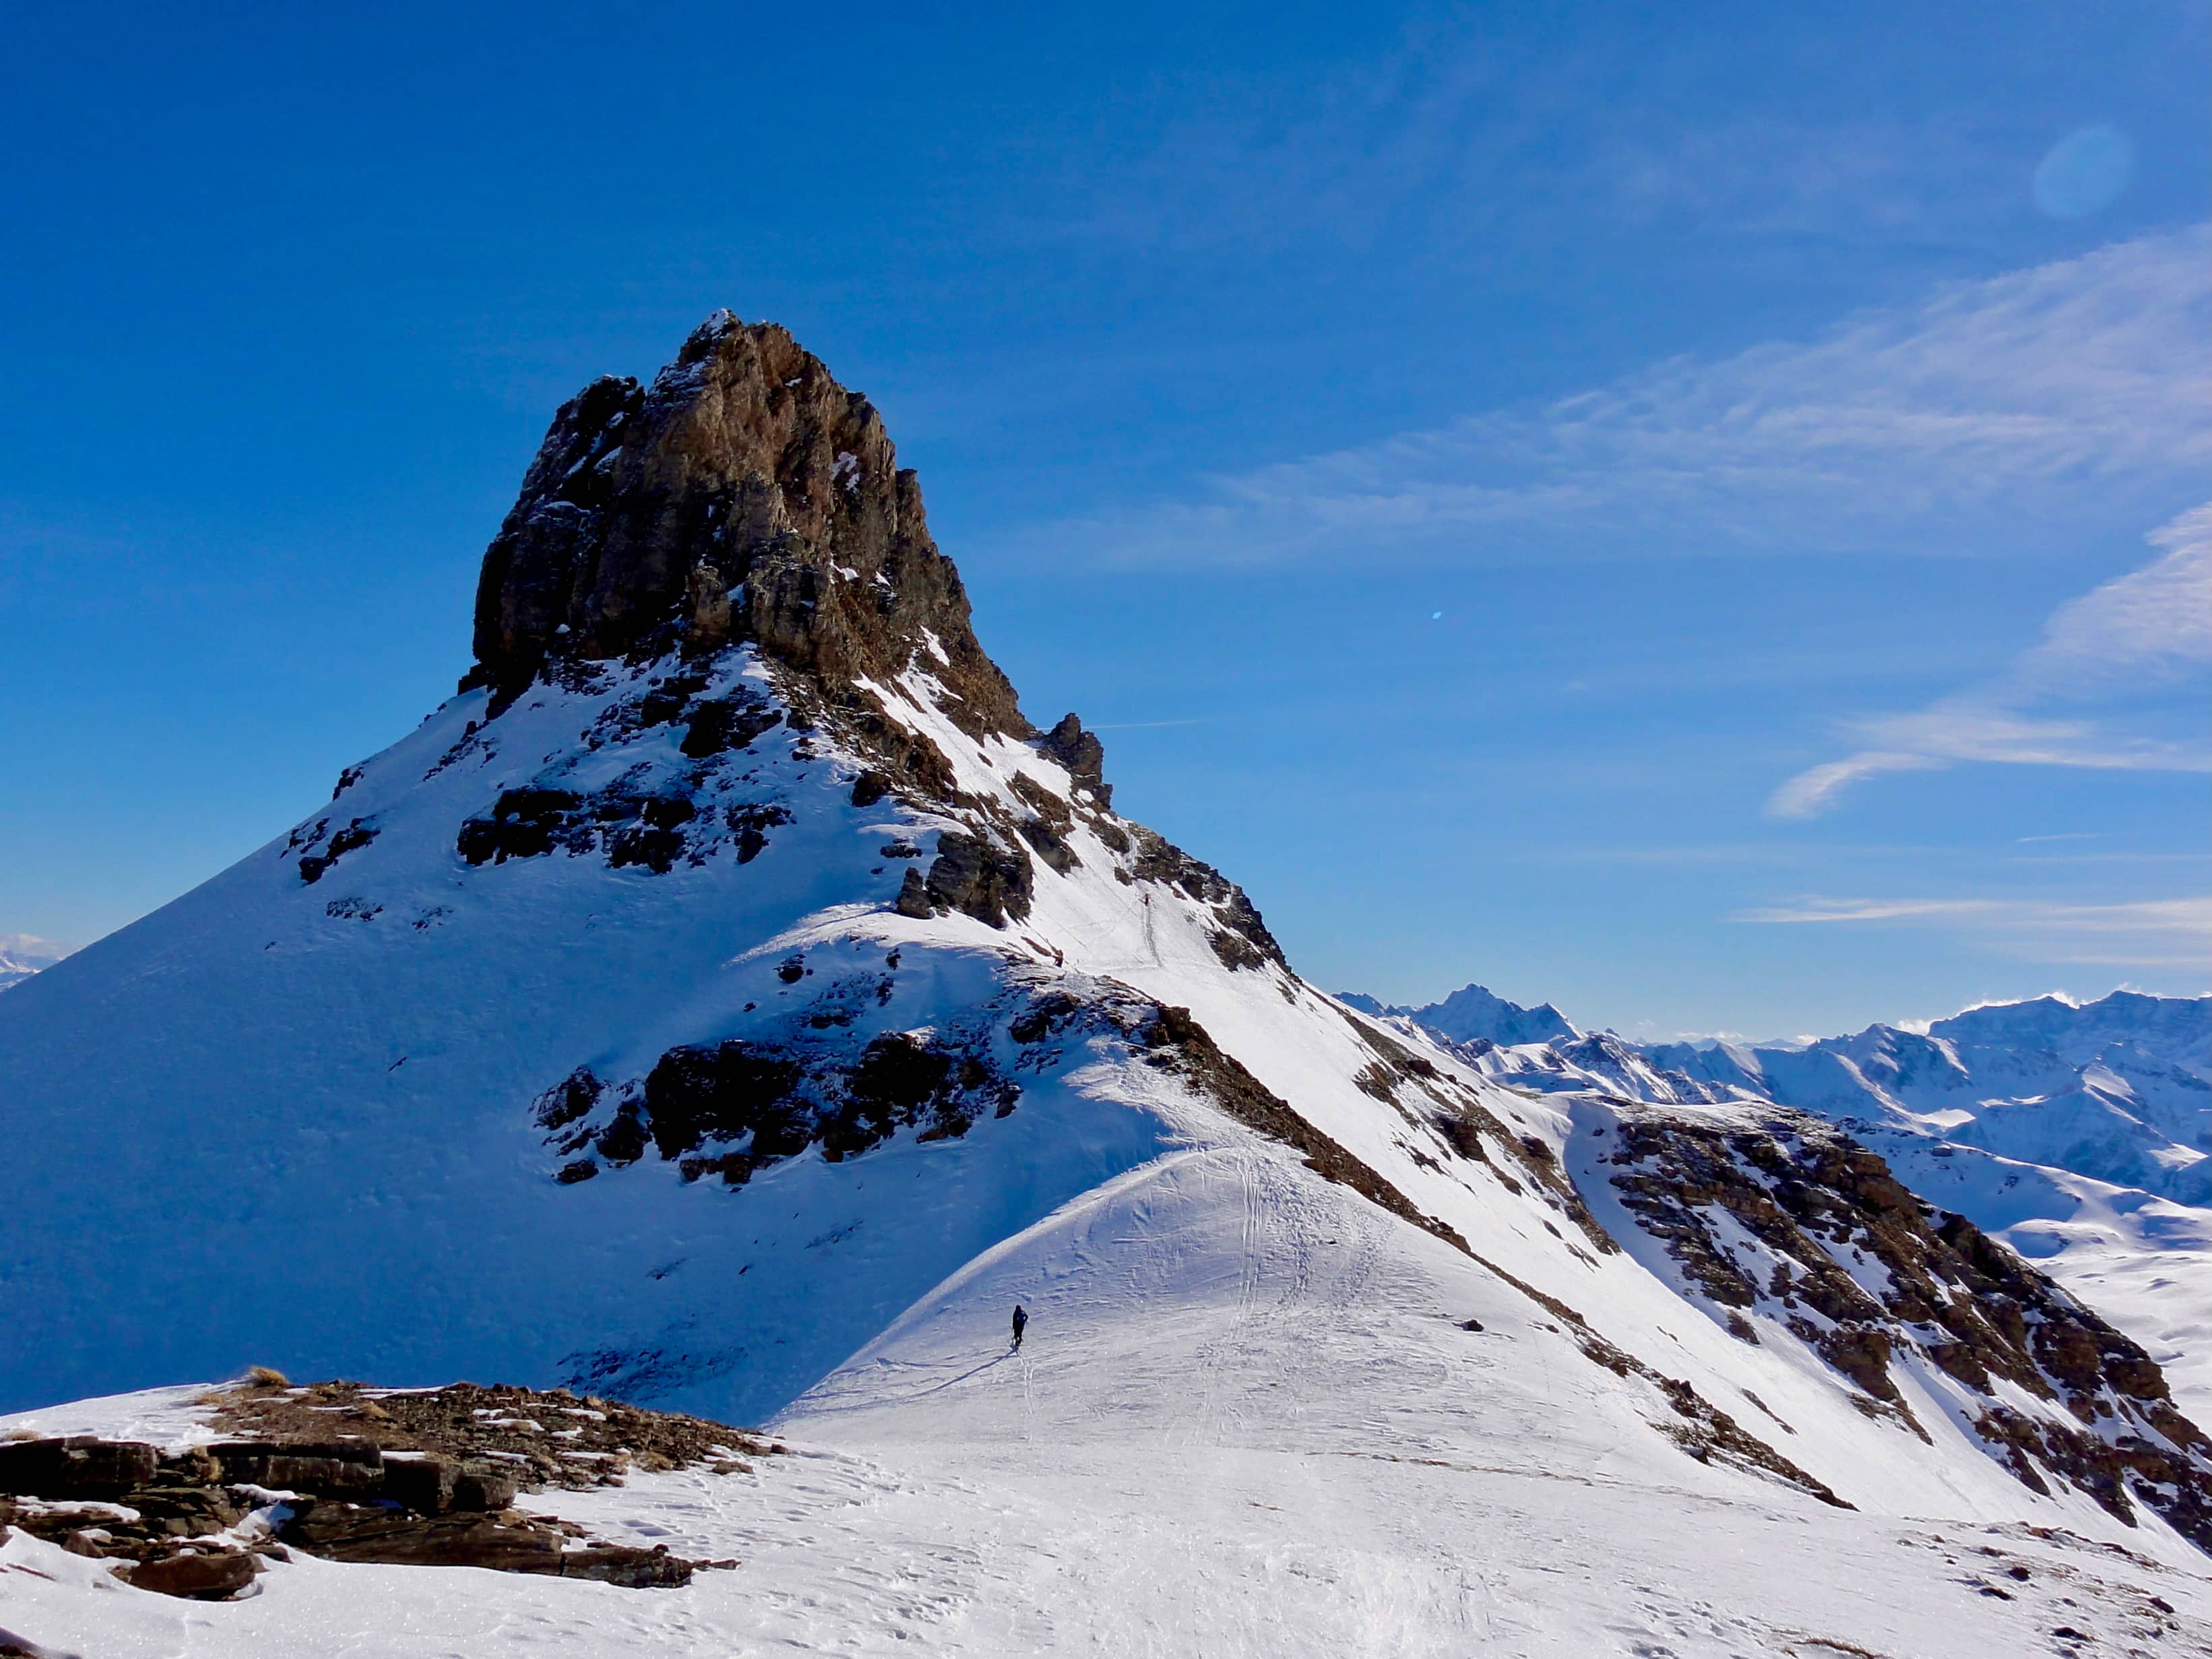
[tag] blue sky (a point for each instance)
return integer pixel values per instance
(1686, 514)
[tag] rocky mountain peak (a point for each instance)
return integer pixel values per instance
(743, 496)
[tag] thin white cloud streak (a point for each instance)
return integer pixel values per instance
(2152, 622)
(2147, 933)
(2034, 401)
(2137, 634)
(1461, 136)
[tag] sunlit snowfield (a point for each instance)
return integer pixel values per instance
(1246, 1420)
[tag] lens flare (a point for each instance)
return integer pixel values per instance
(2085, 171)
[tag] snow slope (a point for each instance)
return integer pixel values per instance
(1247, 1420)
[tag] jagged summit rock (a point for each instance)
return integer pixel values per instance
(745, 499)
(743, 496)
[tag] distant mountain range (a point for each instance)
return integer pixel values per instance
(2119, 1090)
(1471, 1014)
(22, 955)
(2081, 1132)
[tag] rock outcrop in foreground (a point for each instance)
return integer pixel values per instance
(406, 1478)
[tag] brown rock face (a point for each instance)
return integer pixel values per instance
(76, 1465)
(744, 495)
(1819, 1204)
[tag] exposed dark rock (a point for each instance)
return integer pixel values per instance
(736, 1107)
(477, 1428)
(899, 1069)
(76, 1465)
(709, 621)
(743, 467)
(1051, 1011)
(181, 1511)
(726, 723)
(524, 823)
(655, 847)
(653, 830)
(430, 1504)
(371, 1532)
(726, 1092)
(980, 878)
(622, 1141)
(1047, 826)
(1082, 754)
(346, 1466)
(203, 1575)
(314, 864)
(567, 1100)
(481, 1485)
(423, 1484)
(899, 1075)
(1456, 1114)
(908, 761)
(1821, 1203)
(631, 1568)
(1234, 950)
(913, 896)
(750, 822)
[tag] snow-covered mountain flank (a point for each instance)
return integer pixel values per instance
(730, 1001)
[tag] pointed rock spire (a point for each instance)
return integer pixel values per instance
(743, 495)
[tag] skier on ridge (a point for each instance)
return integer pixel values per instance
(1021, 1324)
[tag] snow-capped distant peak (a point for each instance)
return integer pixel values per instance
(1474, 1014)
(22, 955)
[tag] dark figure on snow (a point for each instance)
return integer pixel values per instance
(1021, 1324)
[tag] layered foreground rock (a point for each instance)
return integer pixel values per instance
(423, 1477)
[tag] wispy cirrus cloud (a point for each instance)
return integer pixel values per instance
(1458, 133)
(2174, 933)
(2148, 630)
(2030, 406)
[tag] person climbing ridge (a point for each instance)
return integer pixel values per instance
(1021, 1324)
